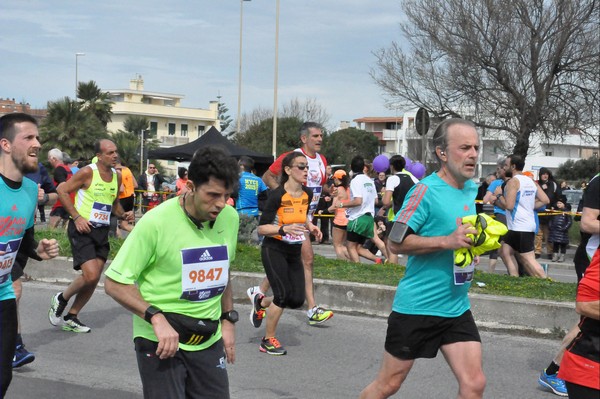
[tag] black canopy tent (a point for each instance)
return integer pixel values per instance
(211, 138)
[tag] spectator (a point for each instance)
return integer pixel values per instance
(181, 181)
(150, 182)
(559, 230)
(552, 190)
(482, 190)
(564, 185)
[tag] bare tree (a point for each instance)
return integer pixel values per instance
(522, 67)
(307, 110)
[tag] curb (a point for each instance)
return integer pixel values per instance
(490, 311)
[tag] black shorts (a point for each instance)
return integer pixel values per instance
(355, 237)
(417, 336)
(521, 241)
(60, 211)
(337, 226)
(127, 203)
(90, 246)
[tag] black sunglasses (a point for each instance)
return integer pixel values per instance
(301, 167)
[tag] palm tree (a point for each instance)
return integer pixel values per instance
(93, 100)
(135, 124)
(70, 129)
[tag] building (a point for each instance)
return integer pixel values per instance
(8, 106)
(170, 123)
(398, 135)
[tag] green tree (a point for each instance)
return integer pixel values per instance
(70, 129)
(128, 146)
(520, 67)
(224, 118)
(135, 124)
(582, 169)
(259, 137)
(93, 100)
(341, 146)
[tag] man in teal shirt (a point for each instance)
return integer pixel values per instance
(431, 308)
(172, 273)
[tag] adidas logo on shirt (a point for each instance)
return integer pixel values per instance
(206, 256)
(8, 248)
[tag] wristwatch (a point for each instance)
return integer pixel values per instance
(232, 316)
(151, 311)
(281, 231)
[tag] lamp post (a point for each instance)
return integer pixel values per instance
(239, 105)
(275, 83)
(77, 55)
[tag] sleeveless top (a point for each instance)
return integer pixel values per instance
(95, 203)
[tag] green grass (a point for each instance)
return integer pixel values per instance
(248, 260)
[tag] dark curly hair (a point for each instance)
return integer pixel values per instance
(214, 162)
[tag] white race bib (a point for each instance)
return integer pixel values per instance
(100, 214)
(8, 259)
(204, 273)
(464, 275)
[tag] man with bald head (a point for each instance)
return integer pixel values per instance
(97, 189)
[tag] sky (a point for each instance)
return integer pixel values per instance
(191, 48)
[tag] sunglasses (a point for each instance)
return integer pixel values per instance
(301, 166)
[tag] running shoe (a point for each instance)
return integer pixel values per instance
(257, 314)
(318, 315)
(272, 347)
(57, 307)
(251, 291)
(73, 324)
(553, 383)
(22, 357)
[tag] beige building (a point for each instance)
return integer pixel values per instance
(170, 123)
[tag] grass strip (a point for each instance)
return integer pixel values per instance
(248, 260)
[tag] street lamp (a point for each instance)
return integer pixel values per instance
(275, 83)
(239, 107)
(77, 55)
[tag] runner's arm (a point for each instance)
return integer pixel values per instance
(128, 296)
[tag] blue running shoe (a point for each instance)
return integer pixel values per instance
(22, 357)
(553, 383)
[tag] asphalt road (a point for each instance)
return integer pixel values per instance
(334, 361)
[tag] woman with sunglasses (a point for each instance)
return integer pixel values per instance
(284, 223)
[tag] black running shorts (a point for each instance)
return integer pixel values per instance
(90, 246)
(418, 336)
(521, 241)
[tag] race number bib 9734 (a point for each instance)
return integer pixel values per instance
(100, 214)
(204, 273)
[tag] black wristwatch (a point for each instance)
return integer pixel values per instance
(232, 316)
(151, 311)
(281, 232)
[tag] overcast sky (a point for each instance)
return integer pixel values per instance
(191, 47)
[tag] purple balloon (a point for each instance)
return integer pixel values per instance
(381, 163)
(418, 170)
(409, 163)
